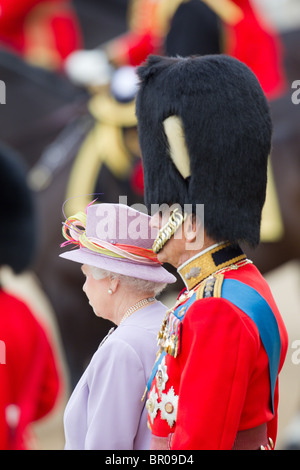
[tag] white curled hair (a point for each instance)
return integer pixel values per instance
(139, 285)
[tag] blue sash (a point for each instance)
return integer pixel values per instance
(255, 306)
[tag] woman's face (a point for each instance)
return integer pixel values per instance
(97, 293)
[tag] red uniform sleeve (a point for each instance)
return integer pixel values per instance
(220, 347)
(4, 394)
(9, 9)
(42, 385)
(48, 384)
(30, 379)
(256, 43)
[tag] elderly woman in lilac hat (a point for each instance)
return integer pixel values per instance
(123, 277)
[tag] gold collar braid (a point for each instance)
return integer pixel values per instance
(209, 262)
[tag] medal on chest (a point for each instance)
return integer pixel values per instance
(169, 339)
(167, 402)
(169, 336)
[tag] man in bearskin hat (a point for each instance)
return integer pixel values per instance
(205, 136)
(29, 375)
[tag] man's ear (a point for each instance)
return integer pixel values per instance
(191, 226)
(194, 232)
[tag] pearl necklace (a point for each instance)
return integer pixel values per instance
(133, 308)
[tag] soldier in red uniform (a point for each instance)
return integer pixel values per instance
(205, 136)
(186, 27)
(43, 32)
(29, 372)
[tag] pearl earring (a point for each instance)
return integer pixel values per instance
(110, 291)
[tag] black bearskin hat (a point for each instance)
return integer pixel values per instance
(205, 135)
(17, 214)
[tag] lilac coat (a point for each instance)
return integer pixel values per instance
(105, 410)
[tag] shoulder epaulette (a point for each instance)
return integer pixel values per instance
(210, 287)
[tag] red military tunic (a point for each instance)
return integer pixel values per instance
(44, 32)
(218, 385)
(29, 377)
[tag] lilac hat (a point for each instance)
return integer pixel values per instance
(116, 238)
